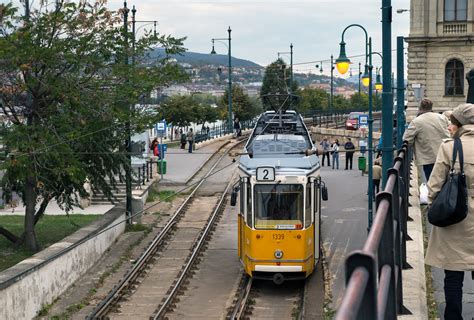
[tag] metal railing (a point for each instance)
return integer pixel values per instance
(374, 274)
(321, 118)
(220, 130)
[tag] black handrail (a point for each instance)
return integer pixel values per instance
(374, 274)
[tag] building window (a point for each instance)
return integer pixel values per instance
(454, 83)
(455, 10)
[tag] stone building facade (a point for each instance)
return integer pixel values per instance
(440, 52)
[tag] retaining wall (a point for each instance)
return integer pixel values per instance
(318, 134)
(36, 282)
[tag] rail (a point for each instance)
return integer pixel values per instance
(374, 274)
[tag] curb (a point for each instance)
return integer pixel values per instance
(414, 280)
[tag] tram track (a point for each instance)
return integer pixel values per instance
(257, 299)
(159, 261)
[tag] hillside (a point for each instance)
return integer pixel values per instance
(201, 59)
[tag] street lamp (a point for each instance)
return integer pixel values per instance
(291, 63)
(378, 82)
(213, 51)
(342, 64)
(331, 97)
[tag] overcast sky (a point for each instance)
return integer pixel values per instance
(261, 28)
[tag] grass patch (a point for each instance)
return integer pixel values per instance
(167, 195)
(137, 227)
(153, 195)
(49, 230)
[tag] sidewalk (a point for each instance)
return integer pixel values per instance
(54, 209)
(181, 165)
(468, 293)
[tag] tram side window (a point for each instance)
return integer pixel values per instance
(278, 206)
(249, 204)
(308, 212)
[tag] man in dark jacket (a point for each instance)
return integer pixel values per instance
(349, 147)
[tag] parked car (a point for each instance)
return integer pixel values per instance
(352, 122)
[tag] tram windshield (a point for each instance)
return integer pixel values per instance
(278, 206)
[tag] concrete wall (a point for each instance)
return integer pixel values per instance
(318, 134)
(23, 296)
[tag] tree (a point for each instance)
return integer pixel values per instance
(243, 107)
(312, 99)
(276, 81)
(178, 110)
(66, 87)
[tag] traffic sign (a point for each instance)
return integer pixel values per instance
(363, 120)
(161, 127)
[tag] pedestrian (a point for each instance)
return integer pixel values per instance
(425, 133)
(451, 248)
(376, 176)
(237, 127)
(182, 138)
(153, 146)
(175, 133)
(348, 146)
(325, 145)
(335, 154)
(190, 139)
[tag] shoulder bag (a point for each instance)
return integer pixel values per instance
(450, 206)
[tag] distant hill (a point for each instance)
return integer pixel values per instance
(200, 59)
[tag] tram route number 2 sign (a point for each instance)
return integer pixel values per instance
(265, 174)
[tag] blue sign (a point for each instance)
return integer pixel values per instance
(363, 121)
(161, 127)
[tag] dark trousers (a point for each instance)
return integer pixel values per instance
(453, 281)
(190, 149)
(427, 168)
(349, 160)
(326, 154)
(376, 186)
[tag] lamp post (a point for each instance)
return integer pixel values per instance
(342, 64)
(387, 96)
(378, 85)
(291, 64)
(229, 39)
(128, 143)
(331, 95)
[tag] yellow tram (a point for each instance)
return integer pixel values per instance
(280, 190)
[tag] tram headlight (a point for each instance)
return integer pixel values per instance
(278, 254)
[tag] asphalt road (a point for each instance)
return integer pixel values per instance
(344, 220)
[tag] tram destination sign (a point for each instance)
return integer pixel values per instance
(265, 174)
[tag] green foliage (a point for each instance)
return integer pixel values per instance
(178, 110)
(167, 195)
(67, 86)
(137, 227)
(276, 81)
(243, 107)
(312, 99)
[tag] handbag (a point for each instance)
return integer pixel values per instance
(450, 206)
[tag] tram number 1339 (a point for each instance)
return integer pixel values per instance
(265, 174)
(278, 236)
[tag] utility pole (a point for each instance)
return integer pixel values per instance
(230, 81)
(128, 143)
(400, 93)
(332, 85)
(291, 67)
(387, 95)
